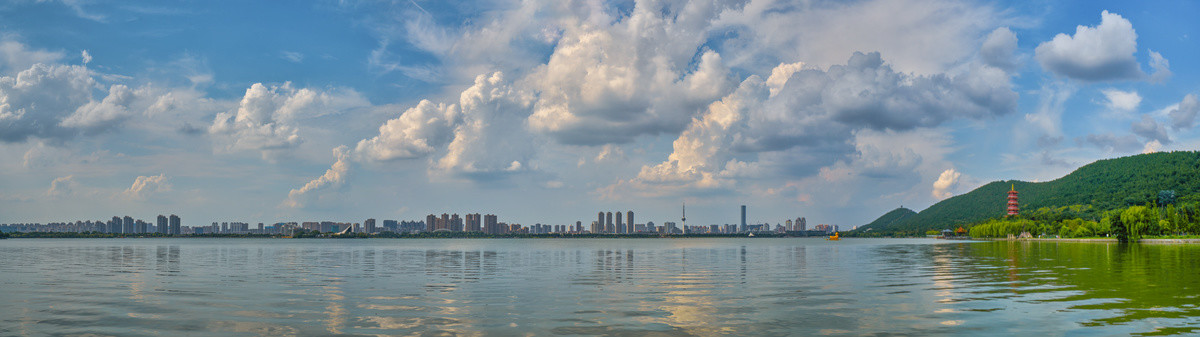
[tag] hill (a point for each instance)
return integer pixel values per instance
(1103, 184)
(896, 215)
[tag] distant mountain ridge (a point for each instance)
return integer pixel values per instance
(1103, 184)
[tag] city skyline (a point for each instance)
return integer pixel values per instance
(548, 112)
(448, 222)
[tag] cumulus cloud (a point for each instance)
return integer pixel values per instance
(1118, 100)
(807, 122)
(418, 132)
(267, 118)
(1101, 53)
(599, 88)
(145, 186)
(1184, 115)
(491, 142)
(33, 102)
(103, 114)
(481, 137)
(946, 181)
(999, 49)
(1151, 130)
(62, 186)
(333, 178)
(86, 56)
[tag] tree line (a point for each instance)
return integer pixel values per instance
(1161, 217)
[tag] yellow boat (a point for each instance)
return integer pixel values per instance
(834, 237)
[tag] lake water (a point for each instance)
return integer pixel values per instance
(631, 287)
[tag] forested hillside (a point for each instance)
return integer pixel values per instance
(1104, 185)
(893, 217)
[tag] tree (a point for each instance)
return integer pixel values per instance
(1166, 197)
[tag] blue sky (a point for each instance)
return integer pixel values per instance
(549, 111)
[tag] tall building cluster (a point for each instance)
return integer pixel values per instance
(612, 223)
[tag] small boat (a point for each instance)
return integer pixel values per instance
(751, 234)
(834, 237)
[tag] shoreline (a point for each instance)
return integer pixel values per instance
(1099, 240)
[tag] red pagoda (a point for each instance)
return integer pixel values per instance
(1013, 209)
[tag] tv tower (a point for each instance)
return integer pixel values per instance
(683, 220)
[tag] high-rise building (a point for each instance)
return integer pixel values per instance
(598, 226)
(490, 225)
(369, 226)
(430, 223)
(620, 223)
(141, 226)
(114, 225)
(174, 223)
(128, 228)
(801, 222)
(473, 223)
(608, 223)
(629, 218)
(444, 222)
(456, 223)
(163, 227)
(743, 228)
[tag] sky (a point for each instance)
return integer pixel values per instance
(550, 111)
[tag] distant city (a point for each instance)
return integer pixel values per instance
(612, 222)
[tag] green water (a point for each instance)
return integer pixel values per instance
(619, 287)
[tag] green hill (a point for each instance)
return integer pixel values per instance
(1104, 184)
(896, 215)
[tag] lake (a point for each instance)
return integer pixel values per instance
(623, 287)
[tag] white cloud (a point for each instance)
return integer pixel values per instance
(999, 49)
(1045, 123)
(599, 88)
(1184, 116)
(15, 56)
(1118, 100)
(105, 113)
(87, 57)
(491, 142)
(1162, 67)
(267, 119)
(62, 186)
(946, 181)
(1152, 147)
(807, 122)
(1101, 53)
(145, 186)
(33, 102)
(610, 153)
(922, 37)
(294, 57)
(418, 132)
(781, 74)
(333, 178)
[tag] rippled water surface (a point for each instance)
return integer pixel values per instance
(635, 287)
